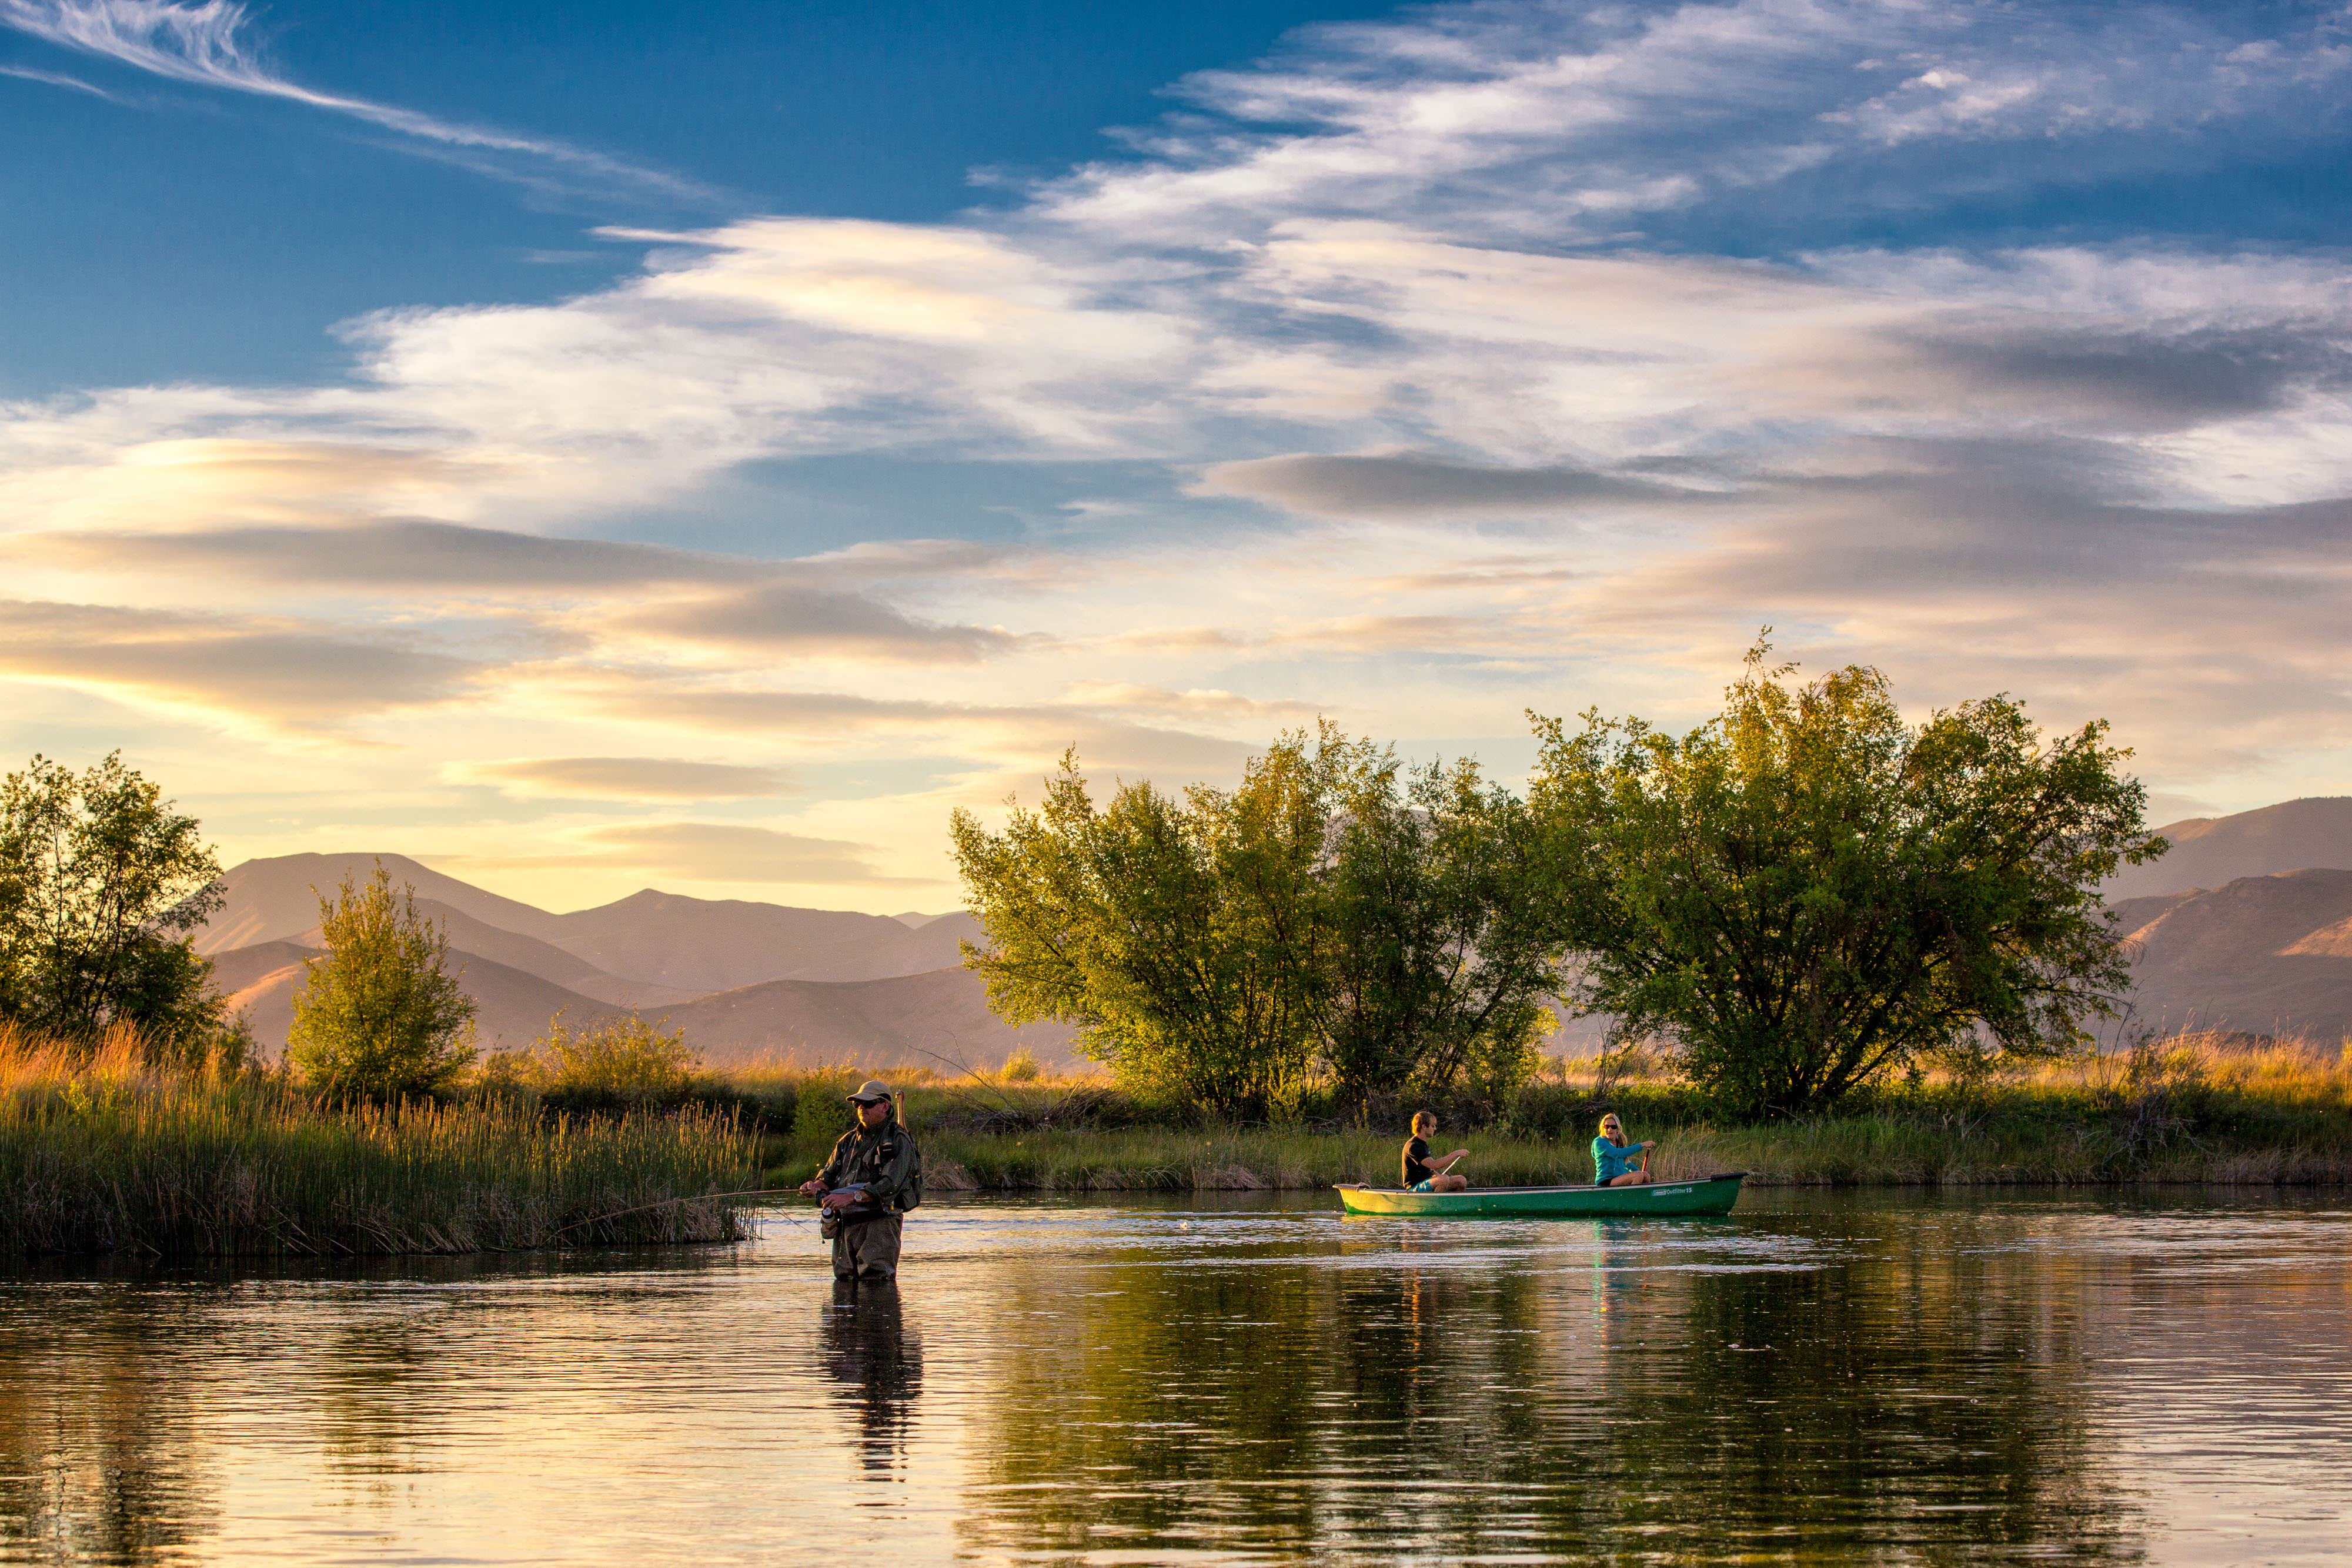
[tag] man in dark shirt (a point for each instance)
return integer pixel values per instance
(867, 1186)
(1418, 1175)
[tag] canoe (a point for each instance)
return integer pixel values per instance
(1702, 1195)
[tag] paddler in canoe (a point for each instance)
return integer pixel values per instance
(1614, 1159)
(1419, 1174)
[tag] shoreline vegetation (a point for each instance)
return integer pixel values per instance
(116, 1149)
(2209, 1109)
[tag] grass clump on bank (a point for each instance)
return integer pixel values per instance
(108, 1149)
(2199, 1109)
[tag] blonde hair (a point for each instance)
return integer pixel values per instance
(1420, 1116)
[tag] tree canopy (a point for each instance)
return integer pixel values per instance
(1804, 892)
(1224, 948)
(379, 1015)
(101, 883)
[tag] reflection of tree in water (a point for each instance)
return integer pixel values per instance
(377, 1378)
(877, 1368)
(1382, 1403)
(99, 1460)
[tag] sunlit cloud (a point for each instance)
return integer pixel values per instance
(1442, 417)
(247, 672)
(623, 779)
(704, 851)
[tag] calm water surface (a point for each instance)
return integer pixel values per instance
(1860, 1378)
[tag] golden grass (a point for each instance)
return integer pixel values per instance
(111, 1150)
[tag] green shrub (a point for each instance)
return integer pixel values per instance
(822, 1111)
(380, 1016)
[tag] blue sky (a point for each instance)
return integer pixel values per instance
(595, 446)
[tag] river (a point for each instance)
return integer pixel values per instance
(1865, 1377)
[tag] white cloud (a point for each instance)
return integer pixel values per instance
(1436, 439)
(203, 45)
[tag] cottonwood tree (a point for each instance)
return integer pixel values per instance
(1179, 936)
(379, 1015)
(1438, 943)
(101, 884)
(1224, 948)
(1805, 893)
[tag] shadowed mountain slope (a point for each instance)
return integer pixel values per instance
(710, 945)
(512, 1007)
(654, 947)
(937, 1019)
(273, 900)
(929, 1020)
(2207, 852)
(2269, 954)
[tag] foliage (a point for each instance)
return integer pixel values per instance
(1179, 936)
(1332, 914)
(1438, 943)
(102, 883)
(823, 1110)
(1020, 1067)
(379, 1015)
(1804, 893)
(112, 1148)
(622, 1056)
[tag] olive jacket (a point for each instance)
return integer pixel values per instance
(881, 1159)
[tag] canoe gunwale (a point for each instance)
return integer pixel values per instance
(1710, 1195)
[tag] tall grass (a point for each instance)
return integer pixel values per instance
(111, 1150)
(2199, 1109)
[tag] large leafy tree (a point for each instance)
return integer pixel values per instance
(101, 883)
(1180, 936)
(380, 1016)
(1437, 942)
(1805, 891)
(1221, 948)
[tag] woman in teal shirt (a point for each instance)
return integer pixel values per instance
(1612, 1157)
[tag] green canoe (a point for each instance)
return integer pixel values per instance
(1704, 1195)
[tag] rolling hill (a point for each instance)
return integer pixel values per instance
(746, 980)
(2266, 954)
(2207, 852)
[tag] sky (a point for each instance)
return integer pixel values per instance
(594, 447)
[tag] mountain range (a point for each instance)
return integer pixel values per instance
(745, 980)
(2246, 924)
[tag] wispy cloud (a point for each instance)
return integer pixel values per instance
(1447, 418)
(54, 79)
(205, 46)
(623, 779)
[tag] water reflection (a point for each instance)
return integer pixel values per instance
(1830, 1379)
(877, 1365)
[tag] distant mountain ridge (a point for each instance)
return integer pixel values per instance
(744, 979)
(681, 945)
(2265, 954)
(2314, 834)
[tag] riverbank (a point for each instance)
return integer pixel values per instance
(2195, 1110)
(111, 1151)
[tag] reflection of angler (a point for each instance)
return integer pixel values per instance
(873, 1176)
(877, 1363)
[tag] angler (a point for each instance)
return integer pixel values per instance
(874, 1176)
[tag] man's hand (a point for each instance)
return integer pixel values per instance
(1457, 1154)
(812, 1188)
(839, 1199)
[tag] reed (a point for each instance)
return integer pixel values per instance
(2195, 1109)
(111, 1150)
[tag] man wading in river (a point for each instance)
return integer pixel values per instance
(874, 1176)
